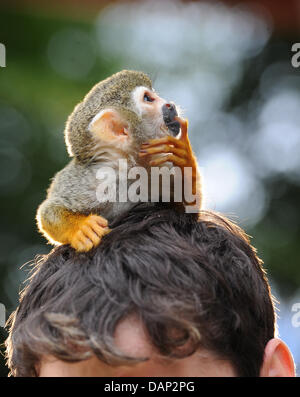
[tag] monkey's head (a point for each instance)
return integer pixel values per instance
(120, 112)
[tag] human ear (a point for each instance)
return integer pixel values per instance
(108, 125)
(278, 361)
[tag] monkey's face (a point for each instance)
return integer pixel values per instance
(157, 114)
(145, 116)
(119, 113)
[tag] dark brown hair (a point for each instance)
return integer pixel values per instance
(198, 277)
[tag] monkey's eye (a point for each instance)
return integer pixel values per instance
(147, 98)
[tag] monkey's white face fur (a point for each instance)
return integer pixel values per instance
(147, 103)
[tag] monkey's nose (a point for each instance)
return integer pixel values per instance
(171, 108)
(169, 112)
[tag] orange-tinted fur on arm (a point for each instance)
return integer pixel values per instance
(64, 226)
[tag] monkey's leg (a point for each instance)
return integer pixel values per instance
(179, 152)
(61, 225)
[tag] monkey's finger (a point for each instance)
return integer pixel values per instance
(81, 243)
(169, 157)
(163, 149)
(183, 126)
(87, 245)
(106, 230)
(77, 245)
(99, 219)
(91, 234)
(80, 247)
(99, 230)
(84, 239)
(166, 139)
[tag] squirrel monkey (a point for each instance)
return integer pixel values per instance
(120, 118)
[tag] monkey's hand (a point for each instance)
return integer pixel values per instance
(60, 225)
(88, 232)
(179, 152)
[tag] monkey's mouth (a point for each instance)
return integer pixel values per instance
(169, 113)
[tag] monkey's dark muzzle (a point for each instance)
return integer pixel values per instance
(169, 112)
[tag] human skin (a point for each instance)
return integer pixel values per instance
(131, 339)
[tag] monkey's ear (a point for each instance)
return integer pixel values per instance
(108, 125)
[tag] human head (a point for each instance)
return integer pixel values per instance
(193, 289)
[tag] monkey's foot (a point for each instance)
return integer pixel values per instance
(88, 233)
(176, 150)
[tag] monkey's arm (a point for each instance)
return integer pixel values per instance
(68, 215)
(179, 152)
(61, 225)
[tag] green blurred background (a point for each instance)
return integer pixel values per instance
(228, 64)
